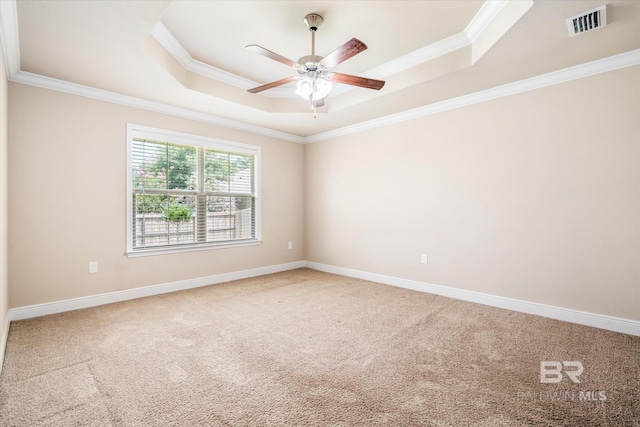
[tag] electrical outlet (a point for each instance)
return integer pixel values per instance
(424, 259)
(290, 245)
(93, 267)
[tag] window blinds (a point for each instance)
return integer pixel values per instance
(185, 195)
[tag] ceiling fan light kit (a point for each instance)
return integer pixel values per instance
(316, 87)
(314, 80)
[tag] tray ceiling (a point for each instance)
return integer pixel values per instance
(191, 54)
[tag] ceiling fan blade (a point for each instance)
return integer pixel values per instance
(272, 55)
(272, 84)
(357, 81)
(344, 52)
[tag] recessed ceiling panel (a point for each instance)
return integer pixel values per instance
(216, 32)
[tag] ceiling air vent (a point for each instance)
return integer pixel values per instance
(587, 21)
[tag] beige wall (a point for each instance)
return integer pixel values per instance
(4, 278)
(534, 196)
(67, 200)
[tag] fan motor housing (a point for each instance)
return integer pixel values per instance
(311, 62)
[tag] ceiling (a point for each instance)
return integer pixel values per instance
(191, 54)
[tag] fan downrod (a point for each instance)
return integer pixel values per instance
(313, 21)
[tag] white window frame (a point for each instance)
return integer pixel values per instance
(140, 131)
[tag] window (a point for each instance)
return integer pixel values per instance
(187, 192)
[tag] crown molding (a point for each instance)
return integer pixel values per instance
(603, 65)
(9, 33)
(483, 18)
(162, 34)
(9, 36)
(480, 21)
(487, 12)
(611, 63)
(420, 56)
(131, 101)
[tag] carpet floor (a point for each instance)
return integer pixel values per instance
(306, 348)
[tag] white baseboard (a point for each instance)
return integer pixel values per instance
(37, 310)
(4, 336)
(626, 326)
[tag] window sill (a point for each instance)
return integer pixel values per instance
(189, 248)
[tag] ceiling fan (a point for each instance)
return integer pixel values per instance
(314, 72)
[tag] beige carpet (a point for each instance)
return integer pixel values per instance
(305, 348)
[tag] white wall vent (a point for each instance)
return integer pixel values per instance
(587, 21)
